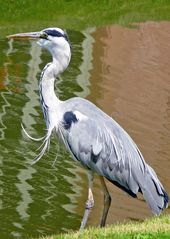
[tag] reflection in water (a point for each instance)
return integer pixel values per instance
(44, 196)
(86, 66)
(27, 119)
(32, 86)
(5, 105)
(3, 82)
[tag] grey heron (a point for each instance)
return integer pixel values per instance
(93, 138)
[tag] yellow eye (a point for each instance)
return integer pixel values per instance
(44, 35)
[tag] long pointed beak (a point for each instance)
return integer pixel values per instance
(26, 36)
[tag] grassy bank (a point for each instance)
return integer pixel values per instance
(79, 14)
(155, 228)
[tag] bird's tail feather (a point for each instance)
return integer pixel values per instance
(153, 192)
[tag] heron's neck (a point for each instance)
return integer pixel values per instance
(46, 87)
(47, 80)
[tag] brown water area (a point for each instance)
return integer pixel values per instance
(130, 81)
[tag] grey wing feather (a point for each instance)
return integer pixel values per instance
(102, 151)
(82, 141)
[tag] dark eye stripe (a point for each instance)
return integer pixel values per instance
(56, 33)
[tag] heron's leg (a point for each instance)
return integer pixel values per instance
(90, 201)
(107, 202)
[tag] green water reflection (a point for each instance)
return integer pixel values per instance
(37, 199)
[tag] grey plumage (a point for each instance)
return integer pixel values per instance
(101, 145)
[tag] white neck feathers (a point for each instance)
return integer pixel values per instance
(49, 74)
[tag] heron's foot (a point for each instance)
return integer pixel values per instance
(88, 208)
(90, 204)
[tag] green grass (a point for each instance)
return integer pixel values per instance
(155, 228)
(79, 14)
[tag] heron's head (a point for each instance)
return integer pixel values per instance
(54, 40)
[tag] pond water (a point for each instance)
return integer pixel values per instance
(126, 72)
